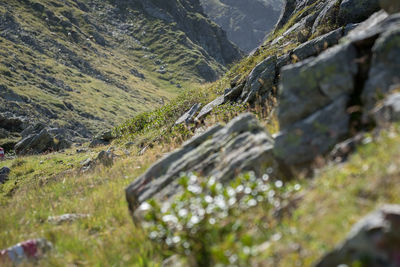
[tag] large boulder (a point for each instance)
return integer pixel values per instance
(353, 11)
(222, 152)
(39, 142)
(373, 241)
(260, 80)
(388, 111)
(384, 72)
(315, 135)
(317, 45)
(317, 94)
(315, 83)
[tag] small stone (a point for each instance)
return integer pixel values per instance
(4, 173)
(66, 218)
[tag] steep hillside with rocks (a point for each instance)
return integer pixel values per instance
(329, 65)
(271, 165)
(85, 65)
(246, 22)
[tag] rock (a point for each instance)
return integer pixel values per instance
(188, 116)
(30, 251)
(388, 111)
(105, 158)
(210, 106)
(342, 150)
(11, 123)
(385, 66)
(4, 173)
(4, 133)
(222, 152)
(235, 92)
(138, 74)
(66, 218)
(390, 6)
(314, 136)
(317, 45)
(353, 11)
(87, 165)
(106, 136)
(373, 241)
(32, 129)
(102, 139)
(40, 143)
(260, 80)
(368, 31)
(327, 15)
(314, 83)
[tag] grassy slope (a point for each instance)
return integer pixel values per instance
(332, 202)
(119, 94)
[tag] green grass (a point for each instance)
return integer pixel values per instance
(98, 102)
(332, 202)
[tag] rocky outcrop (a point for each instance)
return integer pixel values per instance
(260, 80)
(373, 241)
(246, 22)
(221, 152)
(102, 139)
(385, 65)
(39, 139)
(317, 94)
(189, 115)
(190, 18)
(320, 14)
(353, 11)
(388, 111)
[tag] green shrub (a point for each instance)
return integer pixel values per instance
(205, 222)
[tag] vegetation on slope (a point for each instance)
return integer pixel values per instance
(296, 231)
(86, 65)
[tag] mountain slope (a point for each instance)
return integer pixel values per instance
(85, 65)
(246, 22)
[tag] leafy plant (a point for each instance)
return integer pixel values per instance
(205, 222)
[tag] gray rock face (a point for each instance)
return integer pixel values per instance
(388, 111)
(316, 93)
(317, 45)
(373, 241)
(315, 135)
(353, 11)
(4, 172)
(314, 83)
(222, 152)
(385, 67)
(11, 123)
(66, 218)
(328, 14)
(188, 116)
(210, 106)
(102, 138)
(260, 80)
(40, 142)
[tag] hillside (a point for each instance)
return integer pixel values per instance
(87, 65)
(246, 23)
(289, 159)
